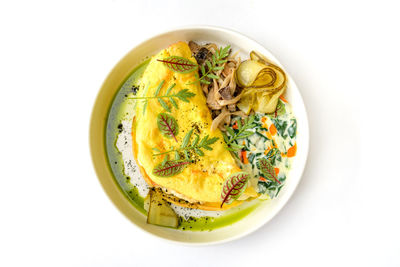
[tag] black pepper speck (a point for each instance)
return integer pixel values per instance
(134, 89)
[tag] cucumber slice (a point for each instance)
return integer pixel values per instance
(160, 212)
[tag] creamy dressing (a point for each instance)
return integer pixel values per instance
(273, 136)
(186, 213)
(131, 169)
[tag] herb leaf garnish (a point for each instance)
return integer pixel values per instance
(179, 64)
(170, 168)
(267, 170)
(216, 60)
(182, 95)
(167, 125)
(243, 132)
(195, 147)
(233, 187)
(186, 139)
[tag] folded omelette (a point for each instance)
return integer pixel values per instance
(199, 184)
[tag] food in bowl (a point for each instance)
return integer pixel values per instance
(196, 137)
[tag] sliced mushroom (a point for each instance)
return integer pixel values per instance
(205, 88)
(232, 82)
(219, 73)
(232, 107)
(222, 127)
(225, 92)
(228, 68)
(202, 55)
(211, 101)
(220, 118)
(227, 119)
(194, 47)
(212, 47)
(225, 82)
(215, 91)
(230, 101)
(240, 113)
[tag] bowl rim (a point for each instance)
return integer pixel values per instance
(288, 195)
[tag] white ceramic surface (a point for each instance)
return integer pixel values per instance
(267, 210)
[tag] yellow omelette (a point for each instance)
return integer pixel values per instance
(201, 181)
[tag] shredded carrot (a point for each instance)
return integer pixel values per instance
(272, 129)
(283, 154)
(268, 134)
(267, 150)
(283, 99)
(263, 119)
(292, 151)
(276, 170)
(235, 126)
(263, 179)
(243, 156)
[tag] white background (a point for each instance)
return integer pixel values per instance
(343, 55)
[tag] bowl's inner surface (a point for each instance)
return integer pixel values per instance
(110, 107)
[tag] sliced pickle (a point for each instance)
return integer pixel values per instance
(265, 78)
(160, 212)
(246, 103)
(257, 56)
(260, 75)
(272, 73)
(146, 202)
(247, 72)
(270, 79)
(263, 83)
(259, 101)
(266, 102)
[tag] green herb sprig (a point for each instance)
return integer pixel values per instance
(182, 95)
(217, 60)
(243, 132)
(195, 146)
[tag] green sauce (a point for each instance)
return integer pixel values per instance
(122, 108)
(210, 223)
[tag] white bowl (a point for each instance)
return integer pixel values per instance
(264, 212)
